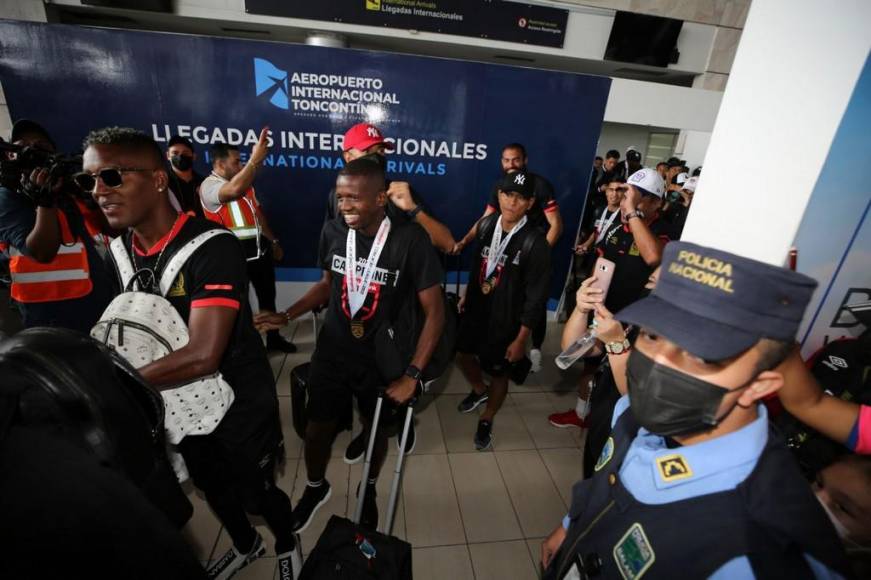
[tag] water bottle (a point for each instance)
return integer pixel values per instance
(576, 350)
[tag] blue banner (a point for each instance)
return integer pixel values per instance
(448, 119)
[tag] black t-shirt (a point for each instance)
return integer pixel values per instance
(186, 192)
(631, 271)
(395, 214)
(544, 201)
(520, 284)
(216, 276)
(408, 264)
(676, 215)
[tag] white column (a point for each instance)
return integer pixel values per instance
(793, 76)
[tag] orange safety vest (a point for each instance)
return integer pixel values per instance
(66, 277)
(239, 216)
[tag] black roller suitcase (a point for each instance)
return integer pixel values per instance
(347, 551)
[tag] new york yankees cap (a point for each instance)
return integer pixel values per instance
(519, 181)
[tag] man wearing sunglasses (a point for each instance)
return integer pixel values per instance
(57, 274)
(234, 465)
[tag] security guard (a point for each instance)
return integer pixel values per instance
(692, 483)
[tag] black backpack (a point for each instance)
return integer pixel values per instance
(65, 381)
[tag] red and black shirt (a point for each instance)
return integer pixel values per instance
(631, 271)
(408, 264)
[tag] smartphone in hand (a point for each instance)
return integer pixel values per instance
(604, 272)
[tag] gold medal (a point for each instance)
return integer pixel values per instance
(357, 329)
(486, 287)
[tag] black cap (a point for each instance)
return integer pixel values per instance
(23, 126)
(519, 181)
(716, 305)
(179, 140)
(674, 162)
(633, 155)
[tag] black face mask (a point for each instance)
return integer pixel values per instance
(668, 402)
(182, 162)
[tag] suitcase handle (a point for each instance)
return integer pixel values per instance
(387, 523)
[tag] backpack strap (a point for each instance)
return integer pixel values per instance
(175, 264)
(486, 227)
(123, 264)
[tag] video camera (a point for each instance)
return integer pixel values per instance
(17, 161)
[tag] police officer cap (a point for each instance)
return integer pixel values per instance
(716, 305)
(519, 181)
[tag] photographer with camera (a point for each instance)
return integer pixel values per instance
(57, 275)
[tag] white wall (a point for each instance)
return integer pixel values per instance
(641, 103)
(692, 147)
(787, 92)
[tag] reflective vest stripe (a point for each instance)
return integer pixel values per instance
(239, 216)
(55, 276)
(66, 277)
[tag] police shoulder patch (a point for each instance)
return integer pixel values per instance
(673, 467)
(605, 456)
(633, 553)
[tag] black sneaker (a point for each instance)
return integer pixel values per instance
(472, 401)
(233, 561)
(290, 563)
(484, 435)
(356, 448)
(410, 442)
(312, 499)
(369, 517)
(275, 341)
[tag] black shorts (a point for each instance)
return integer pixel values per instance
(333, 383)
(472, 339)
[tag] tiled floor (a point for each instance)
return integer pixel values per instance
(468, 514)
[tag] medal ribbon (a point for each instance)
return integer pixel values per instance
(498, 245)
(357, 292)
(605, 224)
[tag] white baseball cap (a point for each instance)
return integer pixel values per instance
(690, 184)
(648, 181)
(681, 178)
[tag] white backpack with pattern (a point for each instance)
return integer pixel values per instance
(143, 327)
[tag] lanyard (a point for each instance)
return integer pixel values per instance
(604, 225)
(498, 245)
(357, 292)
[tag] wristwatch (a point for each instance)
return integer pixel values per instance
(412, 213)
(413, 372)
(620, 347)
(637, 213)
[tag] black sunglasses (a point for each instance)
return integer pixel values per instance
(111, 177)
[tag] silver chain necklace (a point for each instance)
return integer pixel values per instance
(152, 282)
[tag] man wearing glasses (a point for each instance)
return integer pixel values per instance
(57, 275)
(234, 465)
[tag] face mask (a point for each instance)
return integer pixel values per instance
(668, 402)
(182, 162)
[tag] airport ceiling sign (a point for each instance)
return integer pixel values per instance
(493, 19)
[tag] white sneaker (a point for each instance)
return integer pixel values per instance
(233, 561)
(290, 563)
(535, 359)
